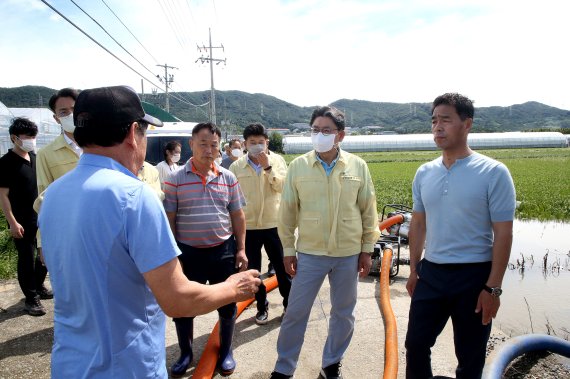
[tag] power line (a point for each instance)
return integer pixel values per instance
(140, 43)
(94, 40)
(117, 42)
(170, 23)
(116, 57)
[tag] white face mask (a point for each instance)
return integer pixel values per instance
(218, 161)
(67, 123)
(322, 143)
(175, 158)
(237, 153)
(26, 144)
(255, 150)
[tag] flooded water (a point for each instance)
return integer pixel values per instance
(546, 291)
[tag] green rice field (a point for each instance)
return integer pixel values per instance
(541, 177)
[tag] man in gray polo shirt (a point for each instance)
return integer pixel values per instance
(464, 205)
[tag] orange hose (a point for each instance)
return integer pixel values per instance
(385, 224)
(209, 359)
(390, 328)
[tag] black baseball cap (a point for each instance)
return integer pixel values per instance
(108, 107)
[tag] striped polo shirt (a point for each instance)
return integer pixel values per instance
(203, 204)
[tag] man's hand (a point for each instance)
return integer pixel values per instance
(490, 306)
(364, 264)
(17, 230)
(246, 284)
(263, 159)
(290, 265)
(241, 260)
(412, 281)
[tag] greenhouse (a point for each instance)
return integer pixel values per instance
(408, 142)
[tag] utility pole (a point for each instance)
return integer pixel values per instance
(167, 79)
(211, 60)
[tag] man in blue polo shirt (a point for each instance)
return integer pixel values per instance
(111, 256)
(464, 205)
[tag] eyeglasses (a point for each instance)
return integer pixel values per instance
(64, 112)
(325, 131)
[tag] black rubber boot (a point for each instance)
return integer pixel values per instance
(226, 359)
(185, 333)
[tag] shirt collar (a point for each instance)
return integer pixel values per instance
(213, 167)
(74, 146)
(314, 157)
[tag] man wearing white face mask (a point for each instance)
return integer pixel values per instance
(329, 197)
(60, 156)
(261, 174)
(18, 190)
(235, 153)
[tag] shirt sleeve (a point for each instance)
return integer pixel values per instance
(288, 214)
(502, 195)
(278, 173)
(171, 193)
(43, 173)
(369, 212)
(6, 175)
(150, 241)
(416, 192)
(236, 197)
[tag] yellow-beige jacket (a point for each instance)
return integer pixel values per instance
(53, 161)
(262, 192)
(336, 215)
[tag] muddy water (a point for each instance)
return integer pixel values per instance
(547, 291)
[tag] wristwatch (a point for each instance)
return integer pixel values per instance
(494, 291)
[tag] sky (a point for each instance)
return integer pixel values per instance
(306, 52)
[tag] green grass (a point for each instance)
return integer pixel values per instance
(8, 254)
(541, 176)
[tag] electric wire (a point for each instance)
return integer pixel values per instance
(178, 13)
(105, 30)
(172, 94)
(100, 45)
(126, 27)
(169, 23)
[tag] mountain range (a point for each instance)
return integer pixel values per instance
(242, 108)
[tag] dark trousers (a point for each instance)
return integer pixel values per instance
(444, 291)
(31, 271)
(268, 238)
(211, 264)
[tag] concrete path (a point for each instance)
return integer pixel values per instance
(25, 341)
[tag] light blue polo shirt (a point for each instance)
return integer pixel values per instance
(101, 229)
(460, 206)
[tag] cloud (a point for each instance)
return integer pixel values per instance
(306, 52)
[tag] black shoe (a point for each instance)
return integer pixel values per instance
(278, 375)
(44, 293)
(262, 317)
(332, 371)
(270, 270)
(34, 307)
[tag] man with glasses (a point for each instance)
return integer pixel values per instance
(329, 197)
(110, 252)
